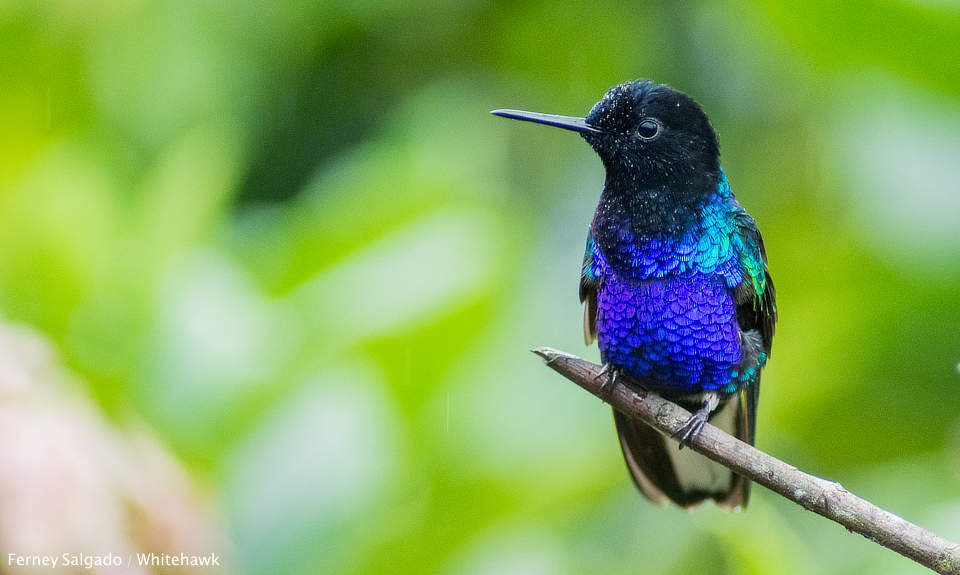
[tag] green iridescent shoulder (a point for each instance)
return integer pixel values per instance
(752, 258)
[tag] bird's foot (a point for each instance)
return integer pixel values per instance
(609, 375)
(691, 428)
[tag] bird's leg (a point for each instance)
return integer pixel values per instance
(691, 428)
(609, 375)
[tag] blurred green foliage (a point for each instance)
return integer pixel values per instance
(290, 237)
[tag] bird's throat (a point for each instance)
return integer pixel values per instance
(646, 213)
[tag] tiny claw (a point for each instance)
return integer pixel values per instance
(692, 427)
(609, 375)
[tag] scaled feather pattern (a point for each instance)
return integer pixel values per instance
(669, 313)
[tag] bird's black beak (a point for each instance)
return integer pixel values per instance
(565, 122)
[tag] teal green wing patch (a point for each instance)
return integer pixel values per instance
(755, 297)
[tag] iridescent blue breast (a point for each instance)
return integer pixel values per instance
(677, 333)
(665, 310)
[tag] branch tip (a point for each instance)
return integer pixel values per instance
(550, 355)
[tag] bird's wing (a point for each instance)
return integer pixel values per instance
(589, 284)
(756, 312)
(755, 297)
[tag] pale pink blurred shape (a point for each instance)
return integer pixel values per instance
(72, 483)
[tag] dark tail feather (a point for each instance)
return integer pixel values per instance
(663, 472)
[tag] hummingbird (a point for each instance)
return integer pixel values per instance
(675, 284)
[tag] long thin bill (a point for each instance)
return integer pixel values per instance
(565, 122)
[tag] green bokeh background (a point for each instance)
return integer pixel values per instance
(289, 236)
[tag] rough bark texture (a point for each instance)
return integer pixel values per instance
(826, 498)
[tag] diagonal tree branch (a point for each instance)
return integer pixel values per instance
(826, 498)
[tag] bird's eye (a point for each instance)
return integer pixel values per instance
(648, 129)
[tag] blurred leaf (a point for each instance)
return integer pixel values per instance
(913, 40)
